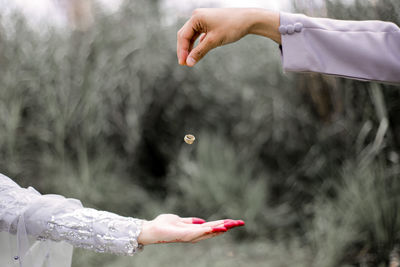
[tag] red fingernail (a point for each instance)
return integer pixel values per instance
(240, 222)
(198, 221)
(230, 225)
(219, 229)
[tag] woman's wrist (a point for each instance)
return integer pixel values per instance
(265, 23)
(143, 236)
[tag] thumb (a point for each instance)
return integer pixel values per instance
(207, 43)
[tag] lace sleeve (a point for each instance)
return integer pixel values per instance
(60, 219)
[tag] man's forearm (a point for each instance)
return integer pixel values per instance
(265, 23)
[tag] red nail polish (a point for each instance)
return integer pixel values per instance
(240, 222)
(198, 221)
(230, 225)
(219, 229)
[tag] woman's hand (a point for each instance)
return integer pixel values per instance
(220, 26)
(169, 228)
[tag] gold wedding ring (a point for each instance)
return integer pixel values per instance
(189, 139)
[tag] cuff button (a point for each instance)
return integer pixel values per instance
(283, 29)
(290, 29)
(298, 27)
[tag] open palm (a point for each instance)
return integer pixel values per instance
(169, 228)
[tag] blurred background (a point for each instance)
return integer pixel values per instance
(94, 106)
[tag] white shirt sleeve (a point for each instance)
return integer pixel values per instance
(57, 218)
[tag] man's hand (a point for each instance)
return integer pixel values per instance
(169, 228)
(220, 26)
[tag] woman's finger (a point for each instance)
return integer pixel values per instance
(193, 220)
(233, 223)
(213, 223)
(206, 236)
(199, 232)
(228, 223)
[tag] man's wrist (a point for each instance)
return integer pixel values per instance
(265, 23)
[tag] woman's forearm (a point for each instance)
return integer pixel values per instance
(57, 218)
(53, 217)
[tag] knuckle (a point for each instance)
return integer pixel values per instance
(197, 15)
(211, 40)
(199, 53)
(196, 11)
(179, 33)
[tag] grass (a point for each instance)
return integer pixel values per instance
(100, 116)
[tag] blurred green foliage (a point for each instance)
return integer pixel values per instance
(310, 162)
